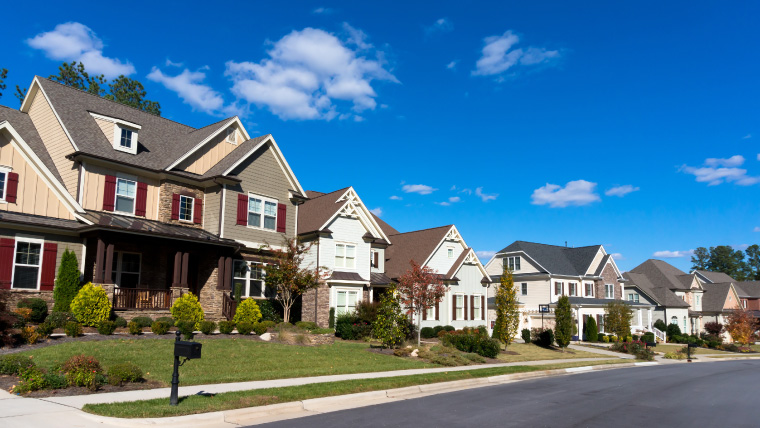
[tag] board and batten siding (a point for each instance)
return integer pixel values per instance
(56, 141)
(348, 231)
(73, 243)
(261, 175)
(34, 196)
(440, 261)
(94, 184)
(211, 153)
(213, 199)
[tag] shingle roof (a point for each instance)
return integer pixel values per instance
(661, 274)
(417, 245)
(387, 229)
(686, 280)
(457, 263)
(314, 213)
(750, 289)
(22, 123)
(232, 157)
(36, 220)
(714, 296)
(663, 296)
(346, 276)
(555, 259)
(574, 300)
(715, 277)
(379, 278)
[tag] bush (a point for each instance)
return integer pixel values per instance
(427, 332)
(472, 340)
(591, 330)
(45, 329)
(248, 312)
(673, 330)
(245, 328)
(160, 327)
(106, 328)
(546, 338)
(344, 326)
(648, 337)
(437, 329)
(134, 328)
(449, 328)
(525, 335)
(66, 282)
(634, 337)
(166, 320)
(73, 329)
(30, 334)
(613, 338)
(606, 339)
(24, 313)
(55, 381)
(307, 325)
(475, 358)
(259, 328)
(38, 306)
(187, 328)
(59, 319)
(32, 379)
(269, 311)
(488, 348)
(331, 318)
(118, 374)
(600, 337)
(366, 312)
(91, 305)
(82, 370)
(13, 364)
(143, 321)
(187, 308)
(660, 325)
(120, 322)
(207, 327)
(269, 324)
(226, 327)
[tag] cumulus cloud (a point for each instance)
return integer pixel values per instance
(396, 198)
(189, 86)
(451, 200)
(442, 25)
(672, 254)
(483, 196)
(377, 211)
(617, 256)
(578, 192)
(736, 160)
(313, 74)
(485, 255)
(452, 65)
(717, 171)
(499, 56)
(322, 11)
(422, 189)
(621, 190)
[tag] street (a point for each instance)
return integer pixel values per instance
(722, 394)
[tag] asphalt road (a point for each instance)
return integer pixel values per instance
(719, 394)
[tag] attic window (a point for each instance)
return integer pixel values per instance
(231, 135)
(125, 136)
(125, 142)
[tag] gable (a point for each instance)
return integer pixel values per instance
(598, 259)
(213, 151)
(732, 301)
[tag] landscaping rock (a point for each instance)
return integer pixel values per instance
(266, 336)
(415, 353)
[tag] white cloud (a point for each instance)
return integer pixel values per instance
(498, 55)
(189, 86)
(747, 137)
(455, 199)
(396, 198)
(452, 65)
(757, 229)
(672, 254)
(617, 256)
(377, 211)
(73, 41)
(578, 192)
(170, 63)
(718, 171)
(736, 160)
(422, 189)
(322, 11)
(485, 255)
(483, 196)
(442, 25)
(452, 200)
(310, 74)
(758, 156)
(621, 190)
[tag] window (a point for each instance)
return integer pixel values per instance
(250, 276)
(524, 290)
(231, 135)
(345, 256)
(125, 196)
(674, 320)
(589, 289)
(185, 208)
(346, 302)
(126, 138)
(632, 297)
(744, 303)
(450, 252)
(476, 308)
(430, 313)
(684, 324)
(573, 289)
(609, 291)
(126, 269)
(3, 180)
(460, 307)
(512, 263)
(262, 212)
(26, 264)
(559, 288)
(697, 298)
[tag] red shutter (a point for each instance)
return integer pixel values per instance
(109, 193)
(220, 274)
(464, 304)
(453, 306)
(472, 307)
(424, 315)
(11, 189)
(142, 199)
(7, 246)
(175, 206)
(282, 211)
(437, 310)
(483, 307)
(242, 211)
(49, 256)
(198, 211)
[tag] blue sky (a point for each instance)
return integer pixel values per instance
(630, 125)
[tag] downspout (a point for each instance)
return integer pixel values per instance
(316, 290)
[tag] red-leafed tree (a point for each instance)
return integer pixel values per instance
(420, 289)
(741, 326)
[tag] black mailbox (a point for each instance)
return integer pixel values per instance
(693, 345)
(189, 350)
(651, 344)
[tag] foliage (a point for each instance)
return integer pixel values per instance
(32, 379)
(91, 305)
(617, 318)
(226, 327)
(427, 332)
(634, 347)
(73, 329)
(3, 76)
(648, 337)
(24, 313)
(390, 324)
(245, 328)
(38, 306)
(160, 327)
(348, 327)
(331, 318)
(237, 293)
(420, 289)
(660, 325)
(724, 258)
(134, 328)
(472, 340)
(259, 328)
(120, 322)
(563, 329)
(12, 364)
(590, 329)
(269, 312)
(307, 325)
(7, 319)
(507, 311)
(187, 308)
(30, 334)
(106, 327)
(167, 320)
(542, 337)
(288, 276)
(367, 311)
(55, 381)
(187, 328)
(606, 339)
(740, 324)
(45, 329)
(59, 319)
(82, 370)
(525, 333)
(118, 374)
(208, 327)
(673, 330)
(143, 321)
(247, 311)
(66, 282)
(714, 328)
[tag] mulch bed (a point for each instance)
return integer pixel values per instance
(6, 382)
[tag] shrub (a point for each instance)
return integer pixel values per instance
(269, 311)
(66, 282)
(437, 329)
(591, 330)
(24, 313)
(546, 338)
(143, 321)
(123, 372)
(245, 328)
(269, 324)
(307, 325)
(673, 330)
(134, 328)
(73, 329)
(45, 329)
(648, 337)
(106, 328)
(606, 339)
(160, 327)
(13, 364)
(237, 293)
(187, 328)
(475, 358)
(259, 328)
(91, 305)
(331, 318)
(613, 338)
(488, 348)
(55, 381)
(714, 328)
(32, 379)
(366, 311)
(59, 319)
(30, 334)
(391, 326)
(248, 312)
(207, 327)
(82, 370)
(348, 327)
(449, 328)
(469, 340)
(660, 325)
(525, 335)
(645, 354)
(166, 320)
(226, 327)
(427, 332)
(38, 306)
(187, 308)
(120, 322)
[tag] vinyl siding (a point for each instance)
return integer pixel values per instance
(440, 261)
(55, 140)
(496, 266)
(94, 183)
(34, 196)
(345, 230)
(71, 242)
(211, 153)
(211, 209)
(107, 128)
(595, 263)
(469, 285)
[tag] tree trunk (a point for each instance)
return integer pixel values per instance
(419, 324)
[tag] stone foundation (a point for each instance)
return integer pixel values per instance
(17, 295)
(315, 306)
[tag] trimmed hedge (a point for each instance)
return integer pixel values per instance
(143, 321)
(160, 327)
(244, 328)
(427, 332)
(106, 328)
(207, 327)
(73, 329)
(124, 372)
(525, 333)
(226, 327)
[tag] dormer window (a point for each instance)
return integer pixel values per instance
(231, 135)
(512, 263)
(125, 142)
(124, 133)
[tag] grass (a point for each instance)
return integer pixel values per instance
(667, 347)
(230, 360)
(261, 397)
(531, 352)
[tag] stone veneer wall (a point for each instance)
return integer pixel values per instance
(14, 296)
(608, 277)
(315, 306)
(168, 188)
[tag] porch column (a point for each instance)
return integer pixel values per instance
(228, 273)
(109, 265)
(185, 262)
(177, 269)
(99, 254)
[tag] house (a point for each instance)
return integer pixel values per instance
(748, 291)
(151, 207)
(587, 275)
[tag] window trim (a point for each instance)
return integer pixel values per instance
(118, 270)
(116, 197)
(457, 307)
(29, 240)
(192, 209)
(476, 306)
(345, 257)
(572, 289)
(347, 290)
(561, 288)
(4, 187)
(514, 261)
(264, 200)
(233, 132)
(450, 252)
(524, 289)
(118, 127)
(612, 289)
(585, 290)
(246, 290)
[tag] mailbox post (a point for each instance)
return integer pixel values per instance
(543, 309)
(189, 350)
(688, 351)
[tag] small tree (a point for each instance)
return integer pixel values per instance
(188, 309)
(66, 282)
(420, 289)
(741, 326)
(660, 325)
(507, 311)
(390, 324)
(563, 328)
(714, 328)
(591, 330)
(287, 276)
(617, 318)
(673, 330)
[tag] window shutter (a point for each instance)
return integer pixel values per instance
(142, 199)
(453, 306)
(282, 211)
(424, 315)
(175, 206)
(6, 261)
(376, 260)
(198, 211)
(49, 256)
(437, 310)
(11, 189)
(472, 307)
(220, 273)
(109, 193)
(464, 304)
(242, 210)
(483, 307)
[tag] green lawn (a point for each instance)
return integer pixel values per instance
(261, 397)
(531, 352)
(230, 360)
(673, 347)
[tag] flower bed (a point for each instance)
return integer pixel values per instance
(634, 347)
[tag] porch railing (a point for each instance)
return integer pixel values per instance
(141, 298)
(659, 334)
(229, 306)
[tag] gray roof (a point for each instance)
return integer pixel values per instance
(749, 289)
(715, 277)
(714, 296)
(574, 300)
(22, 123)
(40, 221)
(556, 259)
(346, 276)
(378, 278)
(661, 274)
(663, 296)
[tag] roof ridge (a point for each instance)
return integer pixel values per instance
(326, 194)
(212, 124)
(421, 230)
